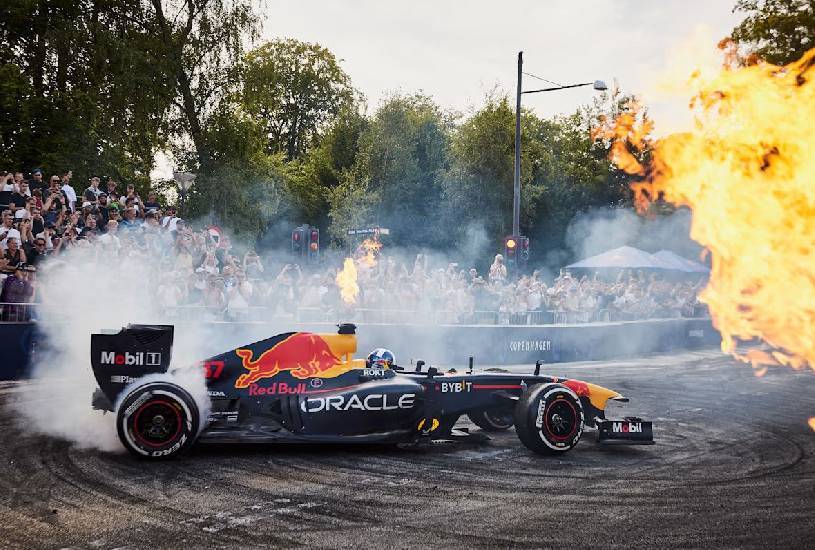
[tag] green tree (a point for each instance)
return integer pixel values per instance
(197, 43)
(780, 31)
(479, 184)
(312, 177)
(294, 90)
(79, 89)
(244, 187)
(397, 174)
(563, 172)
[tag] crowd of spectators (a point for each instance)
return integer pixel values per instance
(201, 276)
(455, 295)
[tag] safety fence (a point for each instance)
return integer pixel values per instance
(27, 312)
(446, 344)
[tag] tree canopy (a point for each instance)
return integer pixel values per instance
(276, 132)
(780, 31)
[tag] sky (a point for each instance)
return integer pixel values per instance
(459, 51)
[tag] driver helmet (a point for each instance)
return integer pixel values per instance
(381, 358)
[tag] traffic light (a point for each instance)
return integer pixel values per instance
(524, 246)
(298, 241)
(511, 250)
(314, 244)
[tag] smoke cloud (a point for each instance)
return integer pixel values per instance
(603, 229)
(88, 289)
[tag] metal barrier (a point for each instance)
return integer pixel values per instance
(28, 312)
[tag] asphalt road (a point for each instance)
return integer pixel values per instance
(733, 467)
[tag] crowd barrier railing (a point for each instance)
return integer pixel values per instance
(29, 312)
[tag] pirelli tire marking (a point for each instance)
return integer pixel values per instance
(543, 422)
(549, 419)
(131, 440)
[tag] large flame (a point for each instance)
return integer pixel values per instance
(747, 171)
(368, 250)
(347, 281)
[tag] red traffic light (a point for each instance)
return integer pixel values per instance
(295, 236)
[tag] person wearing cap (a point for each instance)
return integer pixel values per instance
(130, 222)
(113, 215)
(17, 289)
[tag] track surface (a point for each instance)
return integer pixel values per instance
(734, 467)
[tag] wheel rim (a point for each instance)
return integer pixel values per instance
(499, 420)
(157, 423)
(560, 420)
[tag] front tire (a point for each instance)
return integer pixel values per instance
(158, 420)
(492, 420)
(549, 419)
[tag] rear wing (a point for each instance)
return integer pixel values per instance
(118, 359)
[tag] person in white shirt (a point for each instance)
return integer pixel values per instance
(7, 231)
(169, 221)
(109, 240)
(498, 271)
(7, 183)
(69, 191)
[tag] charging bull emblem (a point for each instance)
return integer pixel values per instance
(302, 354)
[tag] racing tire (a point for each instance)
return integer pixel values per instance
(549, 419)
(492, 420)
(158, 420)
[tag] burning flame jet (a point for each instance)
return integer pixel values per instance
(746, 171)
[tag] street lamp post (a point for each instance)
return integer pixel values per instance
(598, 85)
(184, 181)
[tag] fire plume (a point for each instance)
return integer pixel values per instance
(369, 250)
(347, 281)
(747, 172)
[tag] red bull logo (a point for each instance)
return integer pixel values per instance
(302, 354)
(581, 389)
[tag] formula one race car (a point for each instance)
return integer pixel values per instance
(302, 387)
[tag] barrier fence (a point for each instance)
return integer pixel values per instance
(28, 312)
(445, 344)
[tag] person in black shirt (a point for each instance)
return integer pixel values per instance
(19, 199)
(104, 210)
(37, 223)
(90, 226)
(152, 201)
(36, 181)
(14, 254)
(36, 252)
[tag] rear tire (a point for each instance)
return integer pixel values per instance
(158, 420)
(492, 420)
(549, 419)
